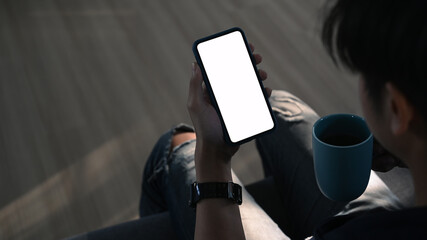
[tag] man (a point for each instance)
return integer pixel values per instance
(386, 43)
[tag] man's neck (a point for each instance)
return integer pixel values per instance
(420, 184)
(417, 164)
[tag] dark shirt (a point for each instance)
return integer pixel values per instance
(376, 224)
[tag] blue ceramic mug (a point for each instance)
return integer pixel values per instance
(342, 151)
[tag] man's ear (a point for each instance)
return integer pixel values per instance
(400, 109)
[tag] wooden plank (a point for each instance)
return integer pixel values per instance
(87, 87)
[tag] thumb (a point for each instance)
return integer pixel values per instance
(195, 95)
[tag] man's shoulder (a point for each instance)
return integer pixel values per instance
(376, 224)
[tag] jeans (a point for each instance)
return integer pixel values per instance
(286, 156)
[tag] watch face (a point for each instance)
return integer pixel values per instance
(238, 196)
(194, 195)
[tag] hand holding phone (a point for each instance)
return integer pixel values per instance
(205, 119)
(234, 86)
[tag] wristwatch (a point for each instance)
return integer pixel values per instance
(227, 190)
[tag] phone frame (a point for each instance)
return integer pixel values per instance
(212, 95)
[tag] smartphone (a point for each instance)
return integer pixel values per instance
(234, 85)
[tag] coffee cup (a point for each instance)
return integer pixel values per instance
(342, 152)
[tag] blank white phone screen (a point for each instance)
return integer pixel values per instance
(235, 86)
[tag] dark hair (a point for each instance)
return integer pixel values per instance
(385, 41)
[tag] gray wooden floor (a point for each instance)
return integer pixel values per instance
(86, 88)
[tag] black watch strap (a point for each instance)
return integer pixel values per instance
(227, 190)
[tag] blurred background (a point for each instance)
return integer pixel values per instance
(87, 87)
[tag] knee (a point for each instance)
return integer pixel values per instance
(180, 138)
(290, 108)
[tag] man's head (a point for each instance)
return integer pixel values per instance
(386, 42)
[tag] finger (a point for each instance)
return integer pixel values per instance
(263, 74)
(205, 93)
(269, 91)
(252, 47)
(195, 94)
(258, 58)
(203, 86)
